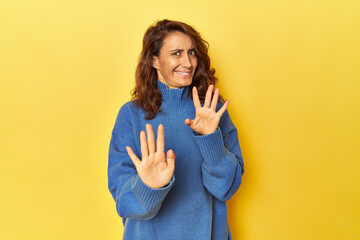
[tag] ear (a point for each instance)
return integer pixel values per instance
(155, 62)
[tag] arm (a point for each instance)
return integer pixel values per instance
(134, 199)
(216, 136)
(223, 165)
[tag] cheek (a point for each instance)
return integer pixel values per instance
(169, 65)
(173, 64)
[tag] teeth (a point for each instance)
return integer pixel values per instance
(183, 73)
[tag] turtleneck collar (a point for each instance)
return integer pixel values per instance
(175, 99)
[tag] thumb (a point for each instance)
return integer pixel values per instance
(170, 157)
(188, 122)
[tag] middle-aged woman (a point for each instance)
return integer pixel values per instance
(160, 196)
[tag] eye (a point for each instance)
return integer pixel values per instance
(191, 52)
(177, 53)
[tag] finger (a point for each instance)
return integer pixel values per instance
(215, 100)
(133, 157)
(160, 141)
(222, 109)
(144, 145)
(208, 96)
(196, 99)
(187, 121)
(170, 158)
(150, 138)
(190, 123)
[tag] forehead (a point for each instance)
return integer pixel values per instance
(177, 40)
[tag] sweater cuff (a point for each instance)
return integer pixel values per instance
(211, 146)
(147, 196)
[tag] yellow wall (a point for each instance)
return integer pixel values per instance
(289, 68)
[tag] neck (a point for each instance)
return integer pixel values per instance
(174, 99)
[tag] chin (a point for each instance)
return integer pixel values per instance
(185, 83)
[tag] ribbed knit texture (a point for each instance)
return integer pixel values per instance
(212, 147)
(208, 171)
(147, 196)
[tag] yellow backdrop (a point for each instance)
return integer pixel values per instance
(289, 68)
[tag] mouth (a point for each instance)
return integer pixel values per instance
(184, 73)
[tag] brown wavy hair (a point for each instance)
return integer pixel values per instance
(146, 94)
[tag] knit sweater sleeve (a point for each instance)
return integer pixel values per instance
(133, 198)
(223, 165)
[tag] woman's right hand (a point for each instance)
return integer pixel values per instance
(154, 169)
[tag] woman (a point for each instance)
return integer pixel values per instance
(180, 194)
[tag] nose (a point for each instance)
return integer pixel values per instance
(186, 61)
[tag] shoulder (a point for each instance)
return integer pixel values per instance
(126, 115)
(129, 108)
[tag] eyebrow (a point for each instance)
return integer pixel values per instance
(181, 50)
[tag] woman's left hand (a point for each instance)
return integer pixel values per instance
(206, 118)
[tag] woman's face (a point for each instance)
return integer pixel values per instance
(177, 62)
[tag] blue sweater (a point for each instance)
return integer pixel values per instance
(208, 171)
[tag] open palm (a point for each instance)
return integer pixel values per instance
(154, 169)
(206, 118)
